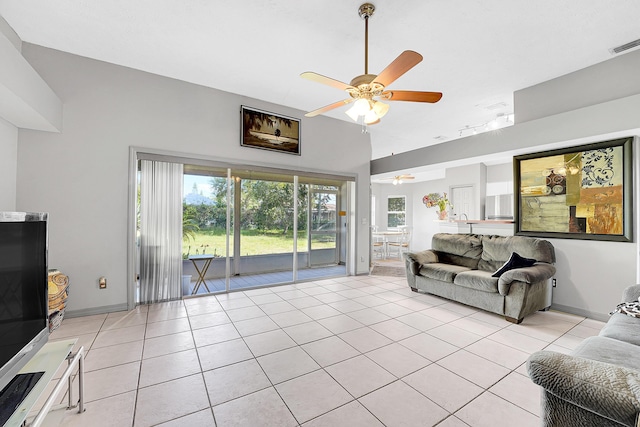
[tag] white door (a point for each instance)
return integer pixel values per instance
(462, 200)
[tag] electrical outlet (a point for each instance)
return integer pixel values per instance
(102, 282)
(553, 282)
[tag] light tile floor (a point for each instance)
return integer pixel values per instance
(348, 351)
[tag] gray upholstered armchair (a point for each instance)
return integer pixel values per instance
(598, 384)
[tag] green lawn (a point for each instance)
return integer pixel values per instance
(252, 242)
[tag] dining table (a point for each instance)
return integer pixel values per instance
(386, 235)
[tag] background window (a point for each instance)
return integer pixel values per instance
(396, 212)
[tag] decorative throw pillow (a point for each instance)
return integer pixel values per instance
(514, 261)
(631, 308)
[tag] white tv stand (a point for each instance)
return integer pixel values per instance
(48, 360)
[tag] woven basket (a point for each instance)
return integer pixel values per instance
(58, 290)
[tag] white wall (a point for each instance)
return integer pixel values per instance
(26, 101)
(606, 81)
(80, 176)
(8, 165)
(592, 275)
(382, 192)
(500, 179)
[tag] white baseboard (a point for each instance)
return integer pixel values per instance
(580, 312)
(95, 310)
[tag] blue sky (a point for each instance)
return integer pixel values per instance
(202, 182)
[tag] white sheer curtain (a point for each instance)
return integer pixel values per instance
(160, 231)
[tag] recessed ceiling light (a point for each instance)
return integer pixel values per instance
(496, 106)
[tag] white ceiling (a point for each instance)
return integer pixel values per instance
(477, 52)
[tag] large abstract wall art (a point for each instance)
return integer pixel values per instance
(576, 193)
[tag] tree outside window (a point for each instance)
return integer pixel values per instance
(396, 211)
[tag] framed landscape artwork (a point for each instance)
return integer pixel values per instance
(268, 131)
(576, 193)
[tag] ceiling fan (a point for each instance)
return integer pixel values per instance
(399, 179)
(364, 89)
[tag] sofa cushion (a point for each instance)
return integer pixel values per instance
(424, 257)
(496, 250)
(459, 249)
(623, 328)
(514, 261)
(609, 350)
(442, 272)
(418, 259)
(477, 279)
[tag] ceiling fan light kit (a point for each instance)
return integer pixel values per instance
(364, 88)
(399, 179)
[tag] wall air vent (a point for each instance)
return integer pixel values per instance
(624, 47)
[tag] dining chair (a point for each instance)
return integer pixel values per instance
(401, 244)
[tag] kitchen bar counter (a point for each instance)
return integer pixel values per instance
(478, 226)
(483, 221)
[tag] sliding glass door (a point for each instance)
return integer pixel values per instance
(264, 228)
(206, 246)
(244, 228)
(323, 208)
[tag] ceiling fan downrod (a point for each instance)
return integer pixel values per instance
(366, 11)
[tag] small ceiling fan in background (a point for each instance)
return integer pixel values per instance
(366, 90)
(399, 179)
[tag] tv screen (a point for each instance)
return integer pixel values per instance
(23, 290)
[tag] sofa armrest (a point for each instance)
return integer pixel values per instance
(538, 272)
(415, 260)
(631, 293)
(609, 390)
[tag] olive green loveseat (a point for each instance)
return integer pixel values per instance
(462, 268)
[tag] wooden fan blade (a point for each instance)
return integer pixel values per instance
(329, 107)
(315, 77)
(403, 63)
(412, 96)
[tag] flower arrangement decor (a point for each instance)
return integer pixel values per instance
(440, 200)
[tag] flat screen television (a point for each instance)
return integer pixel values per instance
(23, 290)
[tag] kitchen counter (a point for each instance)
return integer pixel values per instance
(478, 226)
(483, 221)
